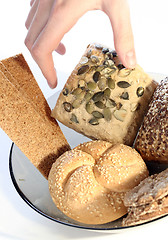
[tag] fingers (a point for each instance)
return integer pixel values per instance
(118, 12)
(32, 12)
(45, 33)
(36, 22)
(49, 20)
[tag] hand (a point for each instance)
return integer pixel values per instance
(49, 20)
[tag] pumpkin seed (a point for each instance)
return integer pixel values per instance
(107, 93)
(108, 71)
(108, 63)
(67, 106)
(76, 103)
(123, 84)
(94, 121)
(94, 59)
(124, 72)
(89, 53)
(92, 69)
(100, 104)
(76, 91)
(140, 91)
(88, 96)
(96, 76)
(84, 60)
(120, 114)
(80, 95)
(91, 85)
(102, 83)
(125, 96)
(107, 114)
(111, 83)
(74, 118)
(97, 96)
(65, 91)
(99, 46)
(105, 50)
(97, 114)
(100, 68)
(110, 103)
(81, 83)
(83, 69)
(89, 107)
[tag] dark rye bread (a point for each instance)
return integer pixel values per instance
(25, 115)
(152, 139)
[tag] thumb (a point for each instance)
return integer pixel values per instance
(119, 15)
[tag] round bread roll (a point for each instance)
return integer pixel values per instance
(78, 186)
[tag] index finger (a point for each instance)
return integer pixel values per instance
(49, 39)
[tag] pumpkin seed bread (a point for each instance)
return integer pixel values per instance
(152, 138)
(104, 100)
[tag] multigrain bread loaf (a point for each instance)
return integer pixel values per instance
(148, 200)
(77, 181)
(152, 139)
(25, 115)
(102, 99)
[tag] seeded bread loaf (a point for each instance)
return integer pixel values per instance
(102, 99)
(88, 183)
(152, 139)
(25, 115)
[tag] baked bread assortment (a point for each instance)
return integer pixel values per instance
(102, 99)
(148, 200)
(25, 115)
(152, 139)
(88, 183)
(101, 180)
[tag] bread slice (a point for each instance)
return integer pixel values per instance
(25, 115)
(104, 100)
(18, 72)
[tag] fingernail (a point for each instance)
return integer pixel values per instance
(130, 59)
(52, 85)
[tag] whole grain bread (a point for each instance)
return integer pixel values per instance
(152, 139)
(148, 200)
(25, 115)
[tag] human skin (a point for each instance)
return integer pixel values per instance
(47, 25)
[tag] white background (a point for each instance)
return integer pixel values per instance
(150, 27)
